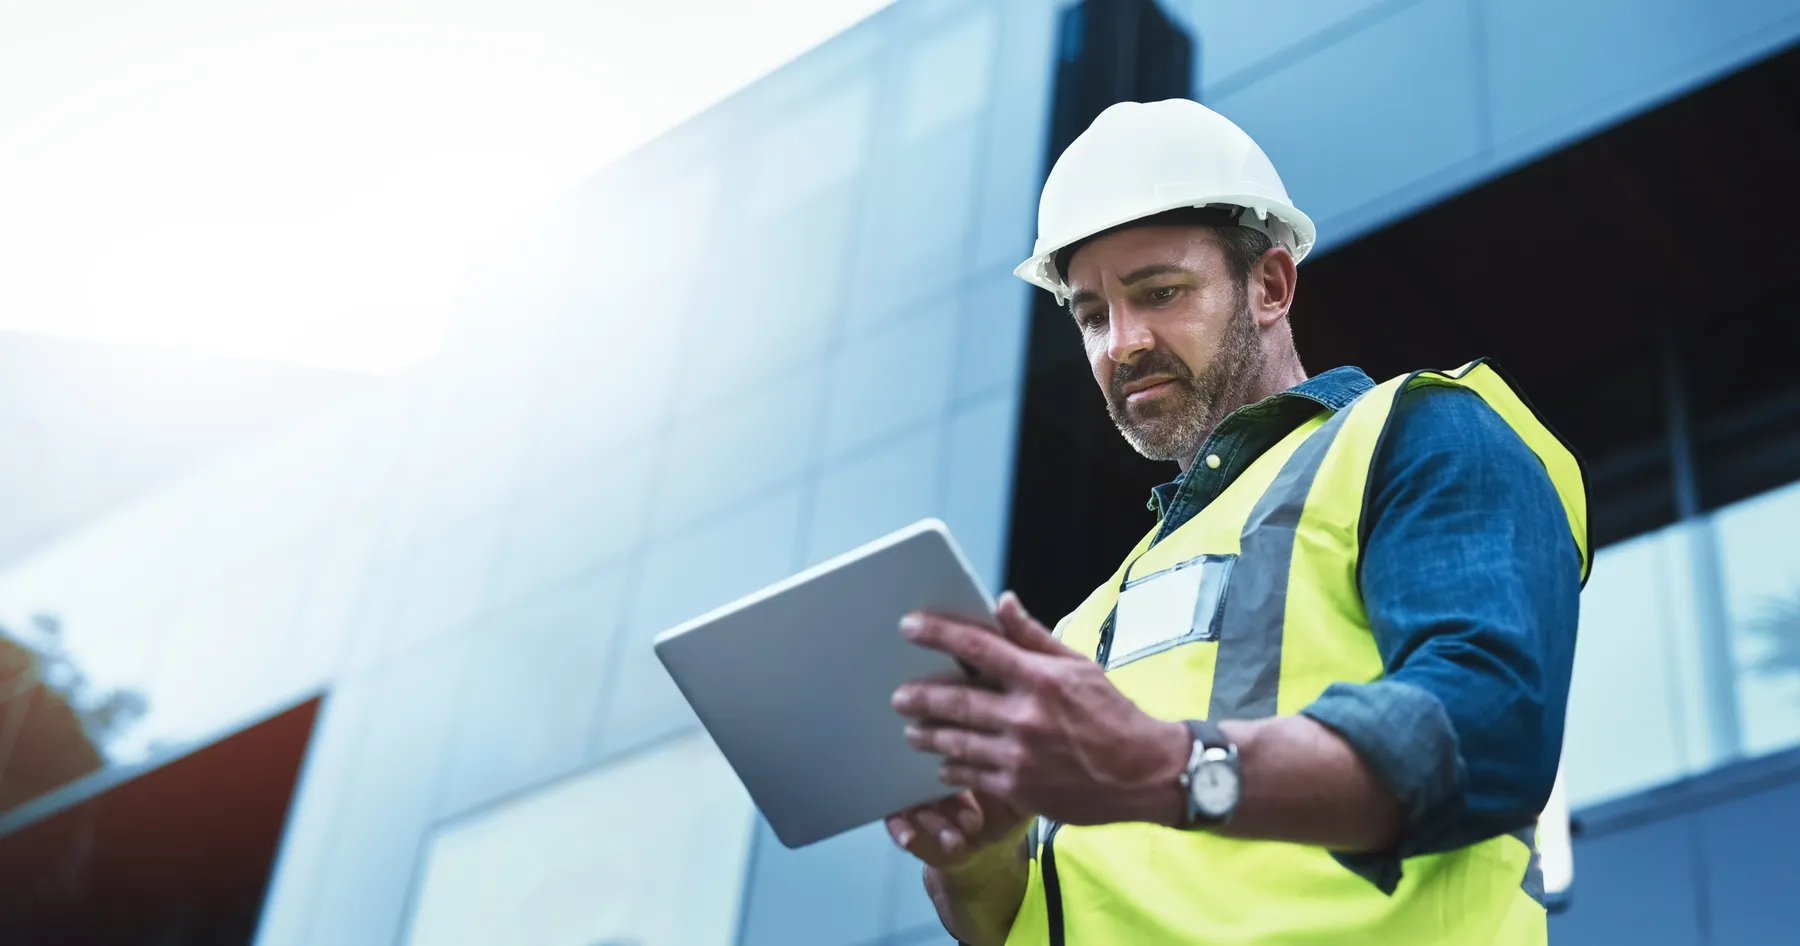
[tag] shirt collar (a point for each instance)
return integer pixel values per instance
(1333, 390)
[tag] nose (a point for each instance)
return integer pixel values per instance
(1128, 334)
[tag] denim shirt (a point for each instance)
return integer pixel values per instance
(1471, 583)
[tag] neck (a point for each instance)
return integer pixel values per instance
(1275, 374)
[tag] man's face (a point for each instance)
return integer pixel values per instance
(1168, 331)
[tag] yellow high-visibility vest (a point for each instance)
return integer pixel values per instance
(1289, 622)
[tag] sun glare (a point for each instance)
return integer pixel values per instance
(304, 183)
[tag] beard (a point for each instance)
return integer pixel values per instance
(1176, 424)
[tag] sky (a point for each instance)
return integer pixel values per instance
(301, 182)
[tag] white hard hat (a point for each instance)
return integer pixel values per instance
(1139, 159)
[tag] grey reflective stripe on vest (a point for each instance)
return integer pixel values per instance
(1533, 884)
(1247, 673)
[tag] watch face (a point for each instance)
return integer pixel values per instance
(1215, 789)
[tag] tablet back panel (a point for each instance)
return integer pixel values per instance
(793, 682)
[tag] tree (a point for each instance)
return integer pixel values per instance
(54, 723)
(1778, 623)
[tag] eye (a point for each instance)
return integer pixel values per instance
(1163, 294)
(1090, 319)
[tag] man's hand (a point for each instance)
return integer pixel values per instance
(946, 834)
(973, 846)
(1052, 735)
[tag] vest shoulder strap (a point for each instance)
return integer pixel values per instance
(1563, 465)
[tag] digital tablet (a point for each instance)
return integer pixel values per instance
(794, 682)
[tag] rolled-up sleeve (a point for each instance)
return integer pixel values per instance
(1471, 580)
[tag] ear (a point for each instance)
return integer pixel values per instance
(1271, 285)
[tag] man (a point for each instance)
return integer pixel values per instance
(1322, 700)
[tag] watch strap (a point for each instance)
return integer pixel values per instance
(1208, 734)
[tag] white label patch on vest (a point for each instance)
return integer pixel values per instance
(1169, 608)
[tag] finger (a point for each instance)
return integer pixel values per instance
(962, 745)
(949, 838)
(977, 778)
(1026, 631)
(901, 831)
(990, 653)
(962, 809)
(966, 706)
(955, 675)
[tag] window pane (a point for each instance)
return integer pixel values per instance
(866, 497)
(1635, 716)
(559, 867)
(825, 894)
(1762, 595)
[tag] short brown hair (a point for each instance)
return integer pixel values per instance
(1243, 246)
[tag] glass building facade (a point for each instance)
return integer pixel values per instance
(785, 328)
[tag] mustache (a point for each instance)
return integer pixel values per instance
(1155, 361)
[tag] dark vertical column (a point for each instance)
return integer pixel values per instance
(1718, 668)
(1079, 489)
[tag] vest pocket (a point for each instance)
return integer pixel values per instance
(1181, 604)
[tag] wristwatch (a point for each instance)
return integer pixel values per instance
(1211, 783)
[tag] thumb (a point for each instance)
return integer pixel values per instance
(1024, 630)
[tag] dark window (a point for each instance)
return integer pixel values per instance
(1078, 495)
(180, 853)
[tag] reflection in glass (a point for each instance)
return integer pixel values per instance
(54, 723)
(1761, 566)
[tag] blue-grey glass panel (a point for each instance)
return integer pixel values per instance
(293, 480)
(1762, 598)
(747, 444)
(1747, 860)
(849, 57)
(1630, 702)
(926, 934)
(825, 895)
(1559, 68)
(785, 274)
(347, 553)
(600, 383)
(1238, 41)
(1013, 156)
(870, 495)
(1369, 116)
(991, 332)
(651, 849)
(649, 215)
(372, 611)
(893, 380)
(947, 74)
(914, 240)
(567, 526)
(120, 601)
(223, 657)
(1637, 886)
(530, 694)
(365, 469)
(908, 906)
(978, 483)
(392, 792)
(444, 580)
(683, 576)
(819, 143)
(471, 456)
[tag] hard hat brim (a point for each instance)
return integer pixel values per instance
(1040, 269)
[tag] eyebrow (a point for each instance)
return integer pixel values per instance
(1130, 279)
